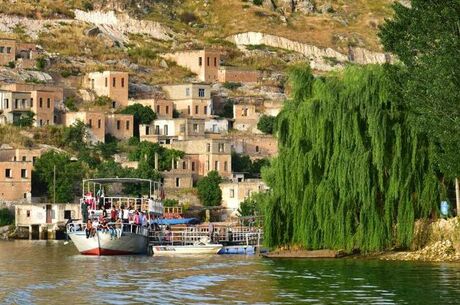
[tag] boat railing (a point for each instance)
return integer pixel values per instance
(126, 228)
(188, 236)
(136, 203)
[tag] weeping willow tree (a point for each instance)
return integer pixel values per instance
(352, 172)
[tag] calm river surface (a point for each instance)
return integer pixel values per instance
(40, 272)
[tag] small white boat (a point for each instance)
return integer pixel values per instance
(201, 247)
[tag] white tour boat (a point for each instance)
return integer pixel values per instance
(134, 239)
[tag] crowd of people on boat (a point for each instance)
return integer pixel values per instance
(111, 221)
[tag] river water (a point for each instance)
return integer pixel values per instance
(49, 272)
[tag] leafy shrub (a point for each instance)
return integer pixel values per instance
(102, 100)
(88, 6)
(25, 120)
(11, 65)
(40, 63)
(266, 124)
(258, 2)
(231, 85)
(70, 103)
(6, 217)
(170, 202)
(188, 17)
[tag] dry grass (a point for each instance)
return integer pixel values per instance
(70, 40)
(41, 8)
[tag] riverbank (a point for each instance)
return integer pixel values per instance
(434, 241)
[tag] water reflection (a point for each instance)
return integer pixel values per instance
(37, 272)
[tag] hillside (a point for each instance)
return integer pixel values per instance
(147, 28)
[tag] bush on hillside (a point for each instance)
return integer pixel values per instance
(266, 124)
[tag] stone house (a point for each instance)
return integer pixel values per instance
(245, 117)
(95, 122)
(256, 146)
(237, 75)
(23, 55)
(44, 219)
(42, 101)
(191, 100)
(164, 109)
(217, 126)
(177, 178)
(205, 155)
(166, 131)
(15, 180)
(235, 192)
(43, 105)
(16, 172)
(113, 84)
(121, 126)
(14, 105)
(204, 63)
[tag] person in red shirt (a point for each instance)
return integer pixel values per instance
(113, 214)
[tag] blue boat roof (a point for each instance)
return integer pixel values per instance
(180, 221)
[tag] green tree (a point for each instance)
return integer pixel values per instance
(209, 191)
(352, 171)
(68, 175)
(145, 153)
(247, 207)
(74, 136)
(25, 120)
(266, 124)
(244, 164)
(109, 148)
(141, 114)
(6, 217)
(426, 39)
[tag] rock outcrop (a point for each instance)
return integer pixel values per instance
(117, 26)
(323, 59)
(438, 241)
(31, 26)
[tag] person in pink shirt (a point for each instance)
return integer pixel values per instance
(137, 220)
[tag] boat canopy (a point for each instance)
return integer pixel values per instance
(118, 180)
(155, 187)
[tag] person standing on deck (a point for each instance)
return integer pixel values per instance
(151, 205)
(211, 231)
(118, 227)
(113, 214)
(84, 211)
(137, 219)
(125, 217)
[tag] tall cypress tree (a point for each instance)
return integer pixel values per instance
(352, 172)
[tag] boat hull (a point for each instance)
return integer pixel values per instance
(101, 244)
(186, 250)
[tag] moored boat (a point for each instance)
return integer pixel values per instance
(131, 238)
(199, 248)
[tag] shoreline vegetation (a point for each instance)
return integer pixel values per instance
(437, 241)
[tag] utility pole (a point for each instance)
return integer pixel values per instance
(54, 184)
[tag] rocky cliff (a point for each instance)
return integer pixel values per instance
(323, 59)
